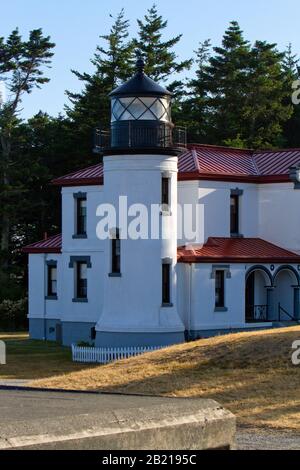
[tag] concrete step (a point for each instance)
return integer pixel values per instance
(48, 420)
(285, 324)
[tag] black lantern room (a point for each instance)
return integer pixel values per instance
(141, 115)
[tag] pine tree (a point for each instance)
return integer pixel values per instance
(225, 81)
(266, 109)
(160, 59)
(91, 108)
(21, 68)
(194, 111)
(247, 92)
(291, 129)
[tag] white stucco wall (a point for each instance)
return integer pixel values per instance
(94, 196)
(203, 314)
(37, 278)
(196, 295)
(279, 215)
(133, 302)
(214, 200)
(83, 311)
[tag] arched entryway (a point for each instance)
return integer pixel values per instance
(286, 294)
(257, 299)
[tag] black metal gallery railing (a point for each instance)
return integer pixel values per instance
(139, 135)
(283, 315)
(256, 313)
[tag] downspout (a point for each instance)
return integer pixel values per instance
(190, 302)
(44, 300)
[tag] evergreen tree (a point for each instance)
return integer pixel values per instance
(91, 107)
(266, 109)
(291, 130)
(247, 92)
(21, 68)
(160, 59)
(225, 81)
(194, 111)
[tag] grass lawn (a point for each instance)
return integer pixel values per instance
(31, 359)
(250, 373)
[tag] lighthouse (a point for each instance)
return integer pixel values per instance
(140, 164)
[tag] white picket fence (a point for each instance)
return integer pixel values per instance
(106, 355)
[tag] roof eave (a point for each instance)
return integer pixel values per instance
(201, 259)
(33, 250)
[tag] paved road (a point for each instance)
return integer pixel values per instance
(35, 419)
(256, 439)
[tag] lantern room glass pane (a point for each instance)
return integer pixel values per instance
(148, 116)
(160, 109)
(140, 108)
(126, 116)
(136, 108)
(148, 101)
(126, 101)
(117, 109)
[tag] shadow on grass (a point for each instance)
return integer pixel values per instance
(34, 359)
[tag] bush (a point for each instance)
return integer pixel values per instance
(13, 314)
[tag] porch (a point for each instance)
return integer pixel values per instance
(272, 296)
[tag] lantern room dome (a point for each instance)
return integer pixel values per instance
(141, 116)
(140, 85)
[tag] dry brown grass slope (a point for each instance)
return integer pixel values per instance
(250, 373)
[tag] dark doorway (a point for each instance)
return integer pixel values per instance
(58, 330)
(250, 282)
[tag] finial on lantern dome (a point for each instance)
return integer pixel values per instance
(140, 64)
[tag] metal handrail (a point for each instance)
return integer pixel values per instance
(259, 312)
(175, 137)
(281, 309)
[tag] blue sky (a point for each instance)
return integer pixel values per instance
(75, 26)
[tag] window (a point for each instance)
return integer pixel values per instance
(80, 264)
(116, 253)
(234, 214)
(165, 196)
(81, 216)
(81, 280)
(166, 271)
(52, 280)
(220, 289)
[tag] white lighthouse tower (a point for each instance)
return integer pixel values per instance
(140, 298)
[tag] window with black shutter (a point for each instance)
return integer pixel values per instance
(166, 297)
(81, 216)
(220, 289)
(81, 280)
(116, 253)
(52, 281)
(234, 215)
(165, 193)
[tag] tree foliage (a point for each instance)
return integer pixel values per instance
(160, 58)
(22, 66)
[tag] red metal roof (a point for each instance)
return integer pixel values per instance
(92, 175)
(207, 159)
(49, 245)
(236, 250)
(210, 162)
(276, 162)
(231, 250)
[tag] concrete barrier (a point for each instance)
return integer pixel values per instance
(117, 422)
